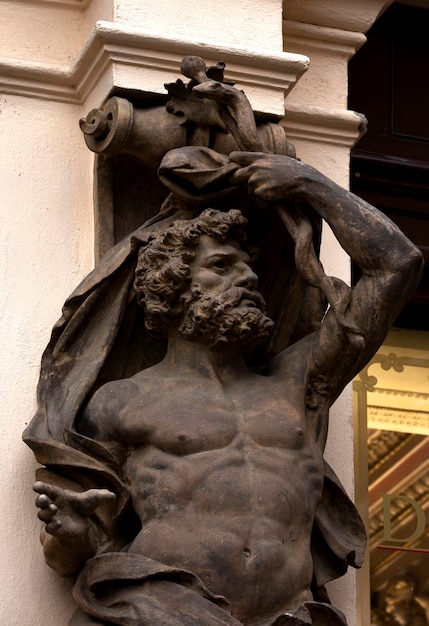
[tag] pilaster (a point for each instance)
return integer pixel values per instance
(318, 122)
(329, 33)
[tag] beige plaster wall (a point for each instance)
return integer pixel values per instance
(48, 31)
(46, 229)
(46, 238)
(247, 23)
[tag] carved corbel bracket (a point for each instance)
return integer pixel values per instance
(187, 118)
(131, 138)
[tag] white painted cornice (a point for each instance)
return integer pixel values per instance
(78, 4)
(115, 56)
(317, 38)
(349, 15)
(37, 80)
(322, 124)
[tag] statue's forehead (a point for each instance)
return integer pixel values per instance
(210, 246)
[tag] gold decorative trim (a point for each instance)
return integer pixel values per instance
(383, 445)
(401, 393)
(388, 362)
(401, 420)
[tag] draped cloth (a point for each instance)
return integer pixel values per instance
(133, 590)
(101, 337)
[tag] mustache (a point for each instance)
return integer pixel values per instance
(234, 295)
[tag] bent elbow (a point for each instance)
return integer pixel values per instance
(409, 268)
(414, 262)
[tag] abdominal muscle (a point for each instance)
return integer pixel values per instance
(232, 517)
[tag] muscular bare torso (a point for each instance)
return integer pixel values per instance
(225, 479)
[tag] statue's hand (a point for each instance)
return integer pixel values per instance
(66, 513)
(273, 177)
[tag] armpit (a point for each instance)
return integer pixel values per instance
(318, 392)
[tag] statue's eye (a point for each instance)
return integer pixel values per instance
(220, 264)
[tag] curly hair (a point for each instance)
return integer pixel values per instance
(163, 269)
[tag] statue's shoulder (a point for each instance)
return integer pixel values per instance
(119, 395)
(107, 405)
(113, 394)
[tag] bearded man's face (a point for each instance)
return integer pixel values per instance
(222, 306)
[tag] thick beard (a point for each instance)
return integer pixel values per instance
(219, 321)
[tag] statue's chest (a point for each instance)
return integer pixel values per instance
(204, 421)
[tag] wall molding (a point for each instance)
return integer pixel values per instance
(323, 124)
(73, 4)
(318, 38)
(341, 14)
(130, 58)
(37, 80)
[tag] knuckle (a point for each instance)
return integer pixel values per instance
(42, 501)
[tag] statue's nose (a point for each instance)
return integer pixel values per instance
(247, 278)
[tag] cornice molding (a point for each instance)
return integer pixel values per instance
(315, 38)
(342, 14)
(74, 4)
(129, 58)
(323, 124)
(37, 80)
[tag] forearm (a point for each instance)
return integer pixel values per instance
(372, 240)
(368, 236)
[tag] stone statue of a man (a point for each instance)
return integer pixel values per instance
(237, 520)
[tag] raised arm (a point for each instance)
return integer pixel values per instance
(390, 263)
